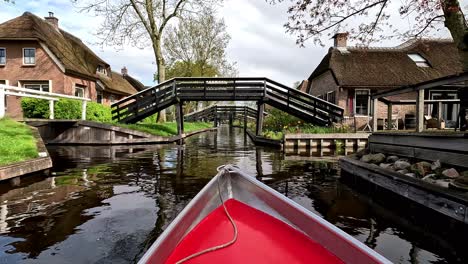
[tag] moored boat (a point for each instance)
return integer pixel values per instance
(237, 219)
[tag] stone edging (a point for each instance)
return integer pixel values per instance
(28, 166)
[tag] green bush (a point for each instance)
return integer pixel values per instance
(65, 109)
(35, 108)
(277, 120)
(68, 109)
(98, 112)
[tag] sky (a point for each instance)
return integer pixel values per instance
(259, 44)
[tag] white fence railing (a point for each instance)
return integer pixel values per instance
(6, 90)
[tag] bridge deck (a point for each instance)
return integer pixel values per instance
(152, 100)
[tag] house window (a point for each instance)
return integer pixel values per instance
(331, 97)
(362, 102)
(29, 56)
(112, 99)
(40, 86)
(101, 69)
(99, 97)
(80, 90)
(2, 56)
(418, 59)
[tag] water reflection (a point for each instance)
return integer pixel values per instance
(108, 204)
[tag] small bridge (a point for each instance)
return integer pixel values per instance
(263, 90)
(217, 112)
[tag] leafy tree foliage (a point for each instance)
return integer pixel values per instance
(314, 19)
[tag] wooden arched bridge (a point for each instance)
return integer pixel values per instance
(262, 90)
(219, 112)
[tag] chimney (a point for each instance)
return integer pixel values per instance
(52, 20)
(124, 71)
(341, 40)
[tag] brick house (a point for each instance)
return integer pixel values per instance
(347, 76)
(35, 53)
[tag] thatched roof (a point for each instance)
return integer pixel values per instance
(73, 54)
(117, 84)
(390, 67)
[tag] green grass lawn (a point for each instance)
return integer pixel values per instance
(16, 142)
(166, 129)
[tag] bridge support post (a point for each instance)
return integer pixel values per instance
(245, 118)
(179, 118)
(230, 119)
(260, 110)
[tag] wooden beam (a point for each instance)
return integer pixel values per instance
(389, 116)
(420, 111)
(440, 82)
(375, 107)
(179, 118)
(261, 108)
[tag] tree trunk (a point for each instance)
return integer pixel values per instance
(161, 64)
(455, 23)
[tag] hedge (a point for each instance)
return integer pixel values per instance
(65, 109)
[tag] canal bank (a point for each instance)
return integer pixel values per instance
(113, 206)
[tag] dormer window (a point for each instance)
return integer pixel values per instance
(418, 59)
(29, 56)
(101, 69)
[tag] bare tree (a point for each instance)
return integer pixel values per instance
(312, 19)
(199, 42)
(140, 23)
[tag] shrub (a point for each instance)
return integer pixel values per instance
(65, 109)
(277, 120)
(35, 108)
(68, 109)
(98, 112)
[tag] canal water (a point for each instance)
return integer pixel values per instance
(109, 204)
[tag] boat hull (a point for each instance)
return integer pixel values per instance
(293, 222)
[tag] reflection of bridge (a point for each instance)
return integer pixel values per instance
(262, 90)
(217, 113)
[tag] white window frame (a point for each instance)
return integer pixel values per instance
(35, 56)
(3, 64)
(368, 102)
(104, 70)
(421, 61)
(456, 108)
(82, 87)
(328, 98)
(23, 85)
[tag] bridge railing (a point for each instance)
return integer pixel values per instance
(146, 102)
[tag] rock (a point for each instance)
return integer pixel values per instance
(421, 168)
(392, 159)
(412, 175)
(403, 171)
(362, 152)
(451, 173)
(367, 158)
(442, 183)
(378, 158)
(460, 183)
(436, 165)
(373, 158)
(401, 165)
(429, 178)
(386, 166)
